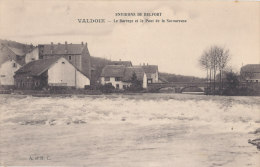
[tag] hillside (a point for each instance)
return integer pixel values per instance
(15, 44)
(179, 78)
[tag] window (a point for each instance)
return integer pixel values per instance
(117, 79)
(149, 81)
(256, 81)
(2, 75)
(69, 57)
(117, 86)
(37, 83)
(107, 78)
(63, 62)
(14, 64)
(124, 86)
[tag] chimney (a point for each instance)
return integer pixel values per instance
(147, 64)
(66, 47)
(86, 44)
(82, 43)
(51, 47)
(119, 59)
(143, 64)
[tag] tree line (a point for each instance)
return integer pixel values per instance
(214, 60)
(220, 79)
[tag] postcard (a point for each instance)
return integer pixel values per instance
(129, 83)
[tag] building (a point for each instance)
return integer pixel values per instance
(56, 71)
(32, 55)
(120, 76)
(7, 71)
(11, 59)
(152, 73)
(250, 73)
(76, 54)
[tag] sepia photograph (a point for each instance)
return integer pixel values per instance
(119, 83)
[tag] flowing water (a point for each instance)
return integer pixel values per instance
(157, 130)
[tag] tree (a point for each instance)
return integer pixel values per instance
(212, 60)
(136, 85)
(223, 57)
(204, 62)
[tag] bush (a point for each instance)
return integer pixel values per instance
(245, 91)
(107, 88)
(231, 85)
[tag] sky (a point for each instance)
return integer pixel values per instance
(174, 47)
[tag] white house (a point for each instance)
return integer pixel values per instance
(251, 73)
(33, 55)
(152, 73)
(7, 70)
(120, 76)
(56, 71)
(11, 59)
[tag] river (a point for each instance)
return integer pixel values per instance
(151, 130)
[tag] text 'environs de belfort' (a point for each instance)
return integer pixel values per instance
(132, 18)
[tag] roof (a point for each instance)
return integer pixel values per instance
(129, 71)
(150, 68)
(17, 51)
(62, 48)
(11, 53)
(251, 68)
(125, 63)
(122, 71)
(113, 71)
(37, 67)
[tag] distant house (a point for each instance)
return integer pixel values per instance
(32, 55)
(76, 54)
(120, 76)
(125, 63)
(7, 71)
(152, 73)
(250, 73)
(11, 59)
(56, 71)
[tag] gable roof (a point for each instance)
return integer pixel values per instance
(129, 71)
(125, 63)
(49, 49)
(150, 68)
(251, 68)
(37, 67)
(113, 71)
(122, 71)
(11, 53)
(17, 51)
